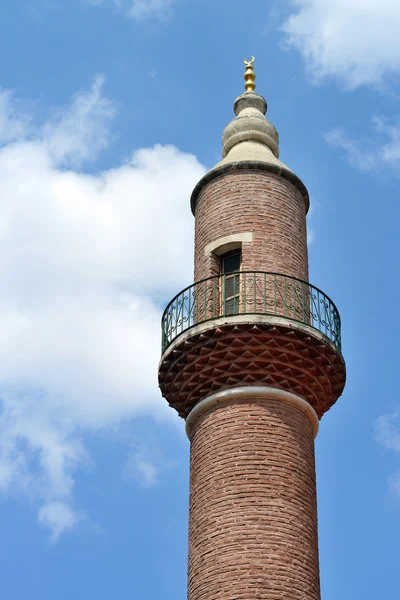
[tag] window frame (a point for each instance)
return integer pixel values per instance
(236, 297)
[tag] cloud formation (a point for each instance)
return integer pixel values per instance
(86, 263)
(354, 41)
(143, 9)
(387, 431)
(381, 149)
(142, 468)
(387, 434)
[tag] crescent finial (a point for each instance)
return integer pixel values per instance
(249, 75)
(248, 63)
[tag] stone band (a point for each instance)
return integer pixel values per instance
(251, 392)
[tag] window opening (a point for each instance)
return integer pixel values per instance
(230, 297)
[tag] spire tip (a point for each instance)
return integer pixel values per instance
(249, 75)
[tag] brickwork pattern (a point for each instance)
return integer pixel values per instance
(271, 207)
(253, 519)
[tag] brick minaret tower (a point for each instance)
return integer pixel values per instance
(251, 359)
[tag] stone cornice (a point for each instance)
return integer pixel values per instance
(251, 166)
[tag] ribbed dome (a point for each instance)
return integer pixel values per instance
(250, 125)
(250, 136)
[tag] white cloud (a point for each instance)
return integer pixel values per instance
(143, 9)
(387, 431)
(141, 468)
(387, 434)
(14, 123)
(86, 261)
(381, 149)
(79, 133)
(58, 517)
(354, 41)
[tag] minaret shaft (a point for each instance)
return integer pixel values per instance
(253, 518)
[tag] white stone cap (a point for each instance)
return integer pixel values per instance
(250, 136)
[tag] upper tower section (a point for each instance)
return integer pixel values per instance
(251, 202)
(251, 317)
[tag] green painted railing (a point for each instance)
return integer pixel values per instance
(250, 293)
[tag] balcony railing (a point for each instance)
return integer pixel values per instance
(250, 293)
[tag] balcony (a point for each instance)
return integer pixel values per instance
(251, 293)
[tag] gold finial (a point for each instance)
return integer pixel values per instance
(249, 76)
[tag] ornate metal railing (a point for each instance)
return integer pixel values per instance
(250, 293)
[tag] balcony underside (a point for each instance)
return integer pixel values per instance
(251, 350)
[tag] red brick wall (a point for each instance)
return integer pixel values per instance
(264, 203)
(253, 522)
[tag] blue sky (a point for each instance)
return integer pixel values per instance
(110, 112)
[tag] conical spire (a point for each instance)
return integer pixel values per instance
(250, 124)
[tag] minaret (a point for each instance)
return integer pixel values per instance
(251, 358)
